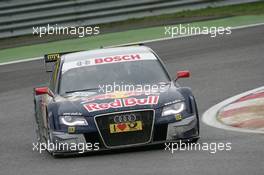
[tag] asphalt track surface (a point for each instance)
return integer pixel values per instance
(221, 67)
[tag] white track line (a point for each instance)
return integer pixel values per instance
(209, 117)
(133, 43)
(21, 61)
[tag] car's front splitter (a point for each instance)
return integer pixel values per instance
(186, 129)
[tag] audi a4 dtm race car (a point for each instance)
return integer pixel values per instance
(75, 109)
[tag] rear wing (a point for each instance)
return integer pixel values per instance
(51, 58)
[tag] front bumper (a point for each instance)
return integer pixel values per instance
(185, 129)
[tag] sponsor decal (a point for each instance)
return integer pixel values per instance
(52, 57)
(143, 101)
(71, 129)
(126, 127)
(105, 60)
(72, 113)
(82, 94)
(178, 117)
(119, 58)
(83, 63)
(118, 103)
(114, 95)
(172, 102)
(125, 118)
(91, 107)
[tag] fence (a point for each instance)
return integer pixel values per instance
(18, 17)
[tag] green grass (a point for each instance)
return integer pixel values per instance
(232, 10)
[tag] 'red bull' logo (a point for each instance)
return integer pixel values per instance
(91, 107)
(150, 100)
(118, 103)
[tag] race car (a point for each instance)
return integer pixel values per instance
(112, 98)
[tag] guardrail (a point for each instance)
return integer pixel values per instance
(18, 17)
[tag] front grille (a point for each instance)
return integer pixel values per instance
(93, 138)
(160, 132)
(126, 138)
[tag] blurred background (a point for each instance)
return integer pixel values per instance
(17, 19)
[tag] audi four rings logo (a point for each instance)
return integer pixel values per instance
(125, 118)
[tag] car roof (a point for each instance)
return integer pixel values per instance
(105, 52)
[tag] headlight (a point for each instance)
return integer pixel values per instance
(73, 120)
(173, 109)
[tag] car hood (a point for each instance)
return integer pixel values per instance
(95, 103)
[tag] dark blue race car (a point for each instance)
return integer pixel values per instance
(112, 98)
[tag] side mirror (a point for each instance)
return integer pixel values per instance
(43, 91)
(182, 74)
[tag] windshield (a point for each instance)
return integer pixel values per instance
(132, 73)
